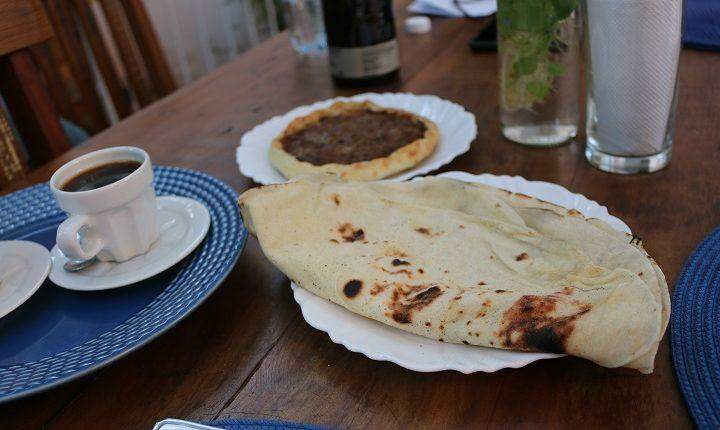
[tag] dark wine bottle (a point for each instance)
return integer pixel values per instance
(361, 40)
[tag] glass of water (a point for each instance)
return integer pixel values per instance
(539, 70)
(305, 24)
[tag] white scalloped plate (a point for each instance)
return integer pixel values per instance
(456, 125)
(379, 341)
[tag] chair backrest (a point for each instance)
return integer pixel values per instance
(23, 24)
(105, 60)
(12, 165)
(89, 61)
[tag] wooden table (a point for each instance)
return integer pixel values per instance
(247, 351)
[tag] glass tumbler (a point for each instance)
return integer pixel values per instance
(539, 48)
(305, 24)
(633, 50)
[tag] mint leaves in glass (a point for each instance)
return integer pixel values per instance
(538, 43)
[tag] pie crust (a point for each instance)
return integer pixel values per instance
(401, 158)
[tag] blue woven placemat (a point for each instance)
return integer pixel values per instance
(701, 24)
(251, 424)
(695, 332)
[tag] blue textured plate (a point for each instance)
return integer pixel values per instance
(695, 332)
(234, 424)
(250, 424)
(59, 335)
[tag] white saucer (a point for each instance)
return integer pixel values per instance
(23, 268)
(183, 225)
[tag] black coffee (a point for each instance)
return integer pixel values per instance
(100, 176)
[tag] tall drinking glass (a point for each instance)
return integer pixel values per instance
(305, 24)
(633, 49)
(538, 43)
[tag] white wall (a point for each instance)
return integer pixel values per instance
(200, 35)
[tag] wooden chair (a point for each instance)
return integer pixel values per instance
(12, 165)
(24, 24)
(112, 41)
(89, 61)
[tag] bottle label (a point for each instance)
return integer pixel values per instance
(365, 61)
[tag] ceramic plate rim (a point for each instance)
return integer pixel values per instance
(521, 359)
(55, 253)
(243, 154)
(29, 293)
(101, 364)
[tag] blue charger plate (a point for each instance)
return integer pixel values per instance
(59, 335)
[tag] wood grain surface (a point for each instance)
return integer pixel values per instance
(22, 23)
(31, 107)
(247, 352)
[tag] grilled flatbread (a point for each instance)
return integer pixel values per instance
(355, 140)
(466, 263)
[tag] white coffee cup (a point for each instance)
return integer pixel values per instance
(115, 222)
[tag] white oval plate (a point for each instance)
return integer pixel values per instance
(183, 223)
(456, 125)
(383, 342)
(23, 268)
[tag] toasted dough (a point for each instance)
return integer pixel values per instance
(402, 158)
(466, 263)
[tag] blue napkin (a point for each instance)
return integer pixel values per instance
(702, 24)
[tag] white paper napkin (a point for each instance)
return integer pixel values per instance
(634, 49)
(474, 8)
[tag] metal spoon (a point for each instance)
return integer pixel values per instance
(76, 266)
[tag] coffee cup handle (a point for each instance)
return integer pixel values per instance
(70, 243)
